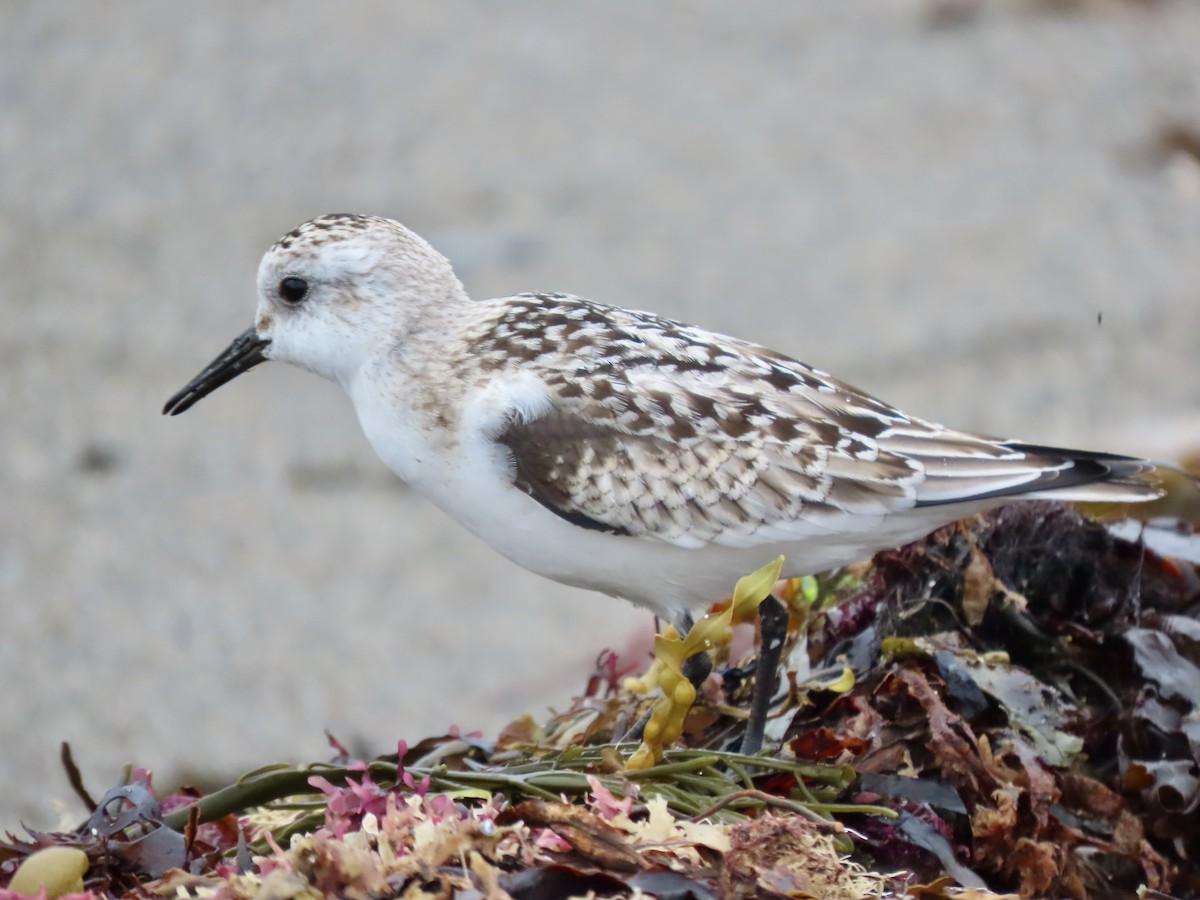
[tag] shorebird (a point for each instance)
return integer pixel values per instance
(618, 450)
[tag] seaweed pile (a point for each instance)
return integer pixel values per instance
(1008, 707)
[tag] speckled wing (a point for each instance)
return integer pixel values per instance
(665, 430)
(692, 491)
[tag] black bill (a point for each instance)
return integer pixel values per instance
(243, 354)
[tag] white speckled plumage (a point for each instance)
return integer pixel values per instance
(617, 450)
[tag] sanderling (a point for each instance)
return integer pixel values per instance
(618, 450)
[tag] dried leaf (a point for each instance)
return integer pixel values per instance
(678, 836)
(1159, 660)
(790, 857)
(589, 835)
(979, 585)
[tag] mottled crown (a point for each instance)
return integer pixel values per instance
(342, 246)
(332, 227)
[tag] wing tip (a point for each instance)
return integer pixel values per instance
(1076, 475)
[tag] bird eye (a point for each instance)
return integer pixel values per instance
(293, 290)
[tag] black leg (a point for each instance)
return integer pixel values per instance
(773, 622)
(634, 733)
(695, 668)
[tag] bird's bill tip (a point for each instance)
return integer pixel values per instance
(246, 352)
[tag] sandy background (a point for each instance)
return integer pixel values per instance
(937, 207)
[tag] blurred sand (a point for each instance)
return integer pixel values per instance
(938, 213)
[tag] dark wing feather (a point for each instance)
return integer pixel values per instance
(695, 490)
(547, 455)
